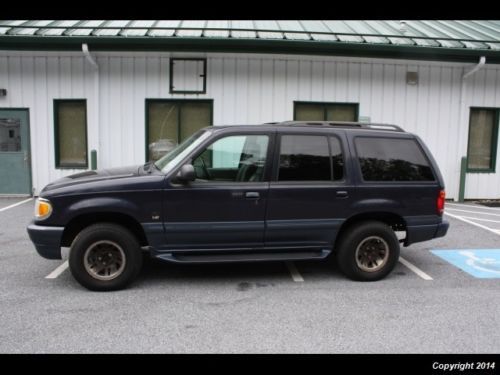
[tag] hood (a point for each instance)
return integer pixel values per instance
(94, 176)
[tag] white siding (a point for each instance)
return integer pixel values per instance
(247, 89)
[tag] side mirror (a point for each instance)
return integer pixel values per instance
(186, 173)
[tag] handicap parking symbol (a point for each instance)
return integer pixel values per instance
(480, 263)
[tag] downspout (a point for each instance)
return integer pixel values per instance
(462, 139)
(90, 58)
(94, 129)
(482, 61)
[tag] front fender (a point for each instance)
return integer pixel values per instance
(101, 204)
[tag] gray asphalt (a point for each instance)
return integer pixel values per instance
(248, 308)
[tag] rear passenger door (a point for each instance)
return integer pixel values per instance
(310, 191)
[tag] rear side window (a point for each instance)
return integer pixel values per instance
(310, 158)
(392, 159)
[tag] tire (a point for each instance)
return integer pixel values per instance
(105, 257)
(367, 251)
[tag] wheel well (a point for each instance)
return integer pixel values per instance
(396, 222)
(80, 222)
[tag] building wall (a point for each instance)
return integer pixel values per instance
(248, 89)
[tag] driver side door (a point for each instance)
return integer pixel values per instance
(224, 208)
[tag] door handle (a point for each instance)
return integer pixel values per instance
(252, 194)
(342, 194)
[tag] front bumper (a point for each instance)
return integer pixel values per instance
(47, 240)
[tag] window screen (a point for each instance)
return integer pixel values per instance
(71, 133)
(483, 130)
(304, 158)
(305, 111)
(391, 159)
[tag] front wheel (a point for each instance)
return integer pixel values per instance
(105, 257)
(368, 251)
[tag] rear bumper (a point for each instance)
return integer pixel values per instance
(47, 240)
(419, 233)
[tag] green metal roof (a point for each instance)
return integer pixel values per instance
(436, 40)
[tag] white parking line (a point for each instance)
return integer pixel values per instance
(57, 271)
(15, 204)
(473, 206)
(476, 218)
(496, 231)
(473, 212)
(415, 269)
(296, 276)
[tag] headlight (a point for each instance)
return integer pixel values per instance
(43, 209)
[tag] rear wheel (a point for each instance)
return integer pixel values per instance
(105, 257)
(367, 251)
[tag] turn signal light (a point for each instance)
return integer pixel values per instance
(43, 208)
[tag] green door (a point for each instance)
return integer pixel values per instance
(15, 166)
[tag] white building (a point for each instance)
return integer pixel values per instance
(124, 88)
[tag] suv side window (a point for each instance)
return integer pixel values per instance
(304, 158)
(392, 159)
(235, 158)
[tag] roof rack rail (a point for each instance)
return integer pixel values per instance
(389, 127)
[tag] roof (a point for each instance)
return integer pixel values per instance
(435, 40)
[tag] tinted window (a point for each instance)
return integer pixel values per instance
(389, 159)
(337, 159)
(304, 158)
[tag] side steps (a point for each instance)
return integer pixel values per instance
(228, 256)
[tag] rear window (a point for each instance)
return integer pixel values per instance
(392, 159)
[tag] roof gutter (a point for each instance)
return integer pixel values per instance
(191, 44)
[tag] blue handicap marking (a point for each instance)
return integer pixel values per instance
(481, 263)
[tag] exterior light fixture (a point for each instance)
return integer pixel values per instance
(412, 78)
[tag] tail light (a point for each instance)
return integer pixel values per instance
(440, 202)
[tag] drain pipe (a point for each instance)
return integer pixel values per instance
(462, 117)
(94, 130)
(90, 58)
(481, 63)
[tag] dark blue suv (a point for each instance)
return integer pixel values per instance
(281, 191)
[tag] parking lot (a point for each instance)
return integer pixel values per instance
(427, 305)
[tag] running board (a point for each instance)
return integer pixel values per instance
(204, 257)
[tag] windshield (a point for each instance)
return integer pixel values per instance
(172, 158)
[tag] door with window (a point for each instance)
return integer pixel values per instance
(170, 121)
(309, 192)
(15, 164)
(225, 206)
